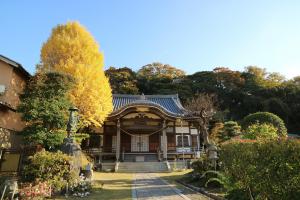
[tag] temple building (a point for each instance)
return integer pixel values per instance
(145, 128)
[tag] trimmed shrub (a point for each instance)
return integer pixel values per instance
(268, 170)
(261, 132)
(49, 167)
(265, 117)
(230, 129)
(223, 132)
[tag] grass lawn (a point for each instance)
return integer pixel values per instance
(173, 176)
(116, 186)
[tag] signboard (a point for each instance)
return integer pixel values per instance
(194, 131)
(182, 130)
(181, 150)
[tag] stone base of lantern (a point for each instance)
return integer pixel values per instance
(71, 148)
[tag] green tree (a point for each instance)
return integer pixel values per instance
(44, 106)
(159, 70)
(277, 106)
(227, 84)
(240, 93)
(157, 78)
(122, 80)
(264, 79)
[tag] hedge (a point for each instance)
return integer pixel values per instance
(267, 170)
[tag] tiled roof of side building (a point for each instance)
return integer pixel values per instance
(170, 103)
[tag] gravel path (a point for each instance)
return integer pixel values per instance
(148, 186)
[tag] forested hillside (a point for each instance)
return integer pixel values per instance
(239, 92)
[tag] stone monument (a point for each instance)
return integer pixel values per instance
(69, 146)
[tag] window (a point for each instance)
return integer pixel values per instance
(186, 140)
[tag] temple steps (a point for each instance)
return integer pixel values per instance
(142, 167)
(108, 166)
(147, 158)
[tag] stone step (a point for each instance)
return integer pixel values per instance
(148, 158)
(142, 167)
(108, 166)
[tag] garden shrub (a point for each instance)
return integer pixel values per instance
(215, 132)
(203, 173)
(265, 117)
(266, 170)
(201, 165)
(230, 129)
(53, 168)
(261, 132)
(208, 180)
(217, 179)
(237, 194)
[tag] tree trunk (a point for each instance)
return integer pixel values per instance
(205, 136)
(250, 194)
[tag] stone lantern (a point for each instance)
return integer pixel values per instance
(69, 146)
(73, 120)
(212, 151)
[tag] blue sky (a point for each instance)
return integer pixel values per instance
(193, 35)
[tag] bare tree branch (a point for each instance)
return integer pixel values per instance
(203, 106)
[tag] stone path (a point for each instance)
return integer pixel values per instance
(147, 186)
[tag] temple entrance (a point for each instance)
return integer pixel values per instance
(139, 143)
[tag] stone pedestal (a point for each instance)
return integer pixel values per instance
(71, 148)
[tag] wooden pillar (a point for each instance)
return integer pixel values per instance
(198, 140)
(165, 142)
(88, 142)
(118, 141)
(100, 148)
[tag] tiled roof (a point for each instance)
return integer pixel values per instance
(169, 103)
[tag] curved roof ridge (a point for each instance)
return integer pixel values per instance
(147, 95)
(169, 103)
(179, 104)
(140, 101)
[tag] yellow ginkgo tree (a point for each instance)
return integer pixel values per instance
(71, 49)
